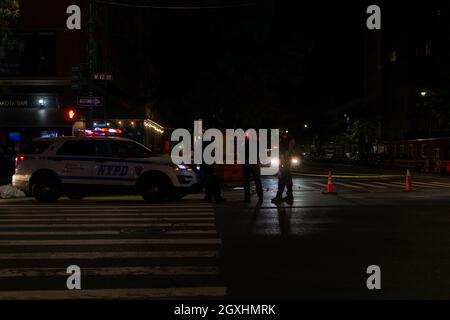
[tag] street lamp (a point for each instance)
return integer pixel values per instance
(41, 102)
(305, 125)
(423, 93)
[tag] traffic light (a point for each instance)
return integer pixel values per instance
(71, 114)
(78, 79)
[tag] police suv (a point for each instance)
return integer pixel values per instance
(78, 166)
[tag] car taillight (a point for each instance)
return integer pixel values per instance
(19, 159)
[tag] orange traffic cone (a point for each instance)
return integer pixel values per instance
(330, 183)
(329, 189)
(408, 186)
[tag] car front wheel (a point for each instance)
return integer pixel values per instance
(155, 189)
(46, 189)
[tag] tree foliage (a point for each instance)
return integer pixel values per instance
(9, 14)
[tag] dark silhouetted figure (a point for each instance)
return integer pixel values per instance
(251, 171)
(284, 175)
(212, 183)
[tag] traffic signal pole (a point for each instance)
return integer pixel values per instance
(91, 52)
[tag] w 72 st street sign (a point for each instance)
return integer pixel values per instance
(103, 76)
(90, 101)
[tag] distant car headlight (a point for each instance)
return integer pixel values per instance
(274, 162)
(182, 167)
(295, 161)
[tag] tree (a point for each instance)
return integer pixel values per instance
(9, 13)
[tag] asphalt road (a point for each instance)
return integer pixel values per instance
(318, 247)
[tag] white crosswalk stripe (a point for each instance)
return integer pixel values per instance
(134, 293)
(94, 255)
(93, 219)
(95, 233)
(159, 244)
(111, 271)
(423, 185)
(104, 225)
(398, 183)
(107, 242)
(381, 185)
(323, 185)
(370, 185)
(440, 184)
(348, 185)
(388, 184)
(32, 214)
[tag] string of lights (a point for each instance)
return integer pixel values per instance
(153, 125)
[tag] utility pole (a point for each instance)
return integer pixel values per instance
(91, 53)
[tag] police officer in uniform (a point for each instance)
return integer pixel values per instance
(287, 145)
(251, 171)
(212, 183)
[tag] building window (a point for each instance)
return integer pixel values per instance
(393, 56)
(437, 153)
(428, 49)
(36, 55)
(411, 152)
(422, 151)
(402, 149)
(424, 50)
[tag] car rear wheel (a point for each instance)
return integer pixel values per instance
(75, 196)
(155, 189)
(46, 189)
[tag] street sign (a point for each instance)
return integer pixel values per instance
(103, 76)
(90, 101)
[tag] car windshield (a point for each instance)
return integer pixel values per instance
(131, 149)
(36, 147)
(123, 149)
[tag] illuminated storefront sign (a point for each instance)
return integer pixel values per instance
(14, 103)
(28, 101)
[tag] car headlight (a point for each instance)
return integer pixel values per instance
(182, 167)
(295, 161)
(274, 162)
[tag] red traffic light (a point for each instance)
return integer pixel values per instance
(71, 114)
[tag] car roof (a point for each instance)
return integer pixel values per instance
(78, 138)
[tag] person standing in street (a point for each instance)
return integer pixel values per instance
(212, 183)
(287, 145)
(251, 171)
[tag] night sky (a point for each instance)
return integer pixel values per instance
(290, 58)
(268, 64)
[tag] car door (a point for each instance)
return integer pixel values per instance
(78, 159)
(112, 165)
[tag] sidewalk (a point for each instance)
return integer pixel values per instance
(355, 170)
